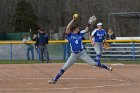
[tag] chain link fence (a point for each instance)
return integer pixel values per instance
(18, 52)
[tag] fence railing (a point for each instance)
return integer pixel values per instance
(16, 50)
(60, 50)
(118, 51)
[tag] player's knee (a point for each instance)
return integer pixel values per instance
(98, 64)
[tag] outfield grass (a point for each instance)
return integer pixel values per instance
(125, 62)
(17, 62)
(61, 61)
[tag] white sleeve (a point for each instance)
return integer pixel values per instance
(93, 32)
(83, 31)
(24, 40)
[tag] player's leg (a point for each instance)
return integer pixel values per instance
(89, 60)
(85, 57)
(71, 60)
(97, 49)
(103, 65)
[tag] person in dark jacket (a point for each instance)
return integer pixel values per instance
(42, 42)
(110, 35)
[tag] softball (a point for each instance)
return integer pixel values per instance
(75, 15)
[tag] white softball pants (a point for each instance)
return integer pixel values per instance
(98, 48)
(74, 57)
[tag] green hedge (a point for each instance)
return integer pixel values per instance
(13, 35)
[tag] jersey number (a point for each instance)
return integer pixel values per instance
(100, 37)
(76, 42)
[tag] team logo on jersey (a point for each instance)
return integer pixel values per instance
(76, 37)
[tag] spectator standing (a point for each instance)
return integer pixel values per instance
(34, 39)
(29, 47)
(42, 42)
(110, 35)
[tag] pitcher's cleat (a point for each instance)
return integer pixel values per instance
(52, 81)
(110, 68)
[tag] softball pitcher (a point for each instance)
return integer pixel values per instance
(97, 38)
(74, 36)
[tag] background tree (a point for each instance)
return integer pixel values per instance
(53, 14)
(24, 18)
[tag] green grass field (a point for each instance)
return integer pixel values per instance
(60, 61)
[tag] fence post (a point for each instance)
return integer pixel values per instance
(11, 58)
(66, 51)
(133, 49)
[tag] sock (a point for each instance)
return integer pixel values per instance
(98, 60)
(59, 74)
(99, 63)
(103, 66)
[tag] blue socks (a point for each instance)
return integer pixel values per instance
(99, 63)
(98, 59)
(59, 74)
(103, 66)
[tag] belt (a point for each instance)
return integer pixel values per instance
(76, 52)
(41, 44)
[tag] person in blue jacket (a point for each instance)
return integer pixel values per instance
(42, 42)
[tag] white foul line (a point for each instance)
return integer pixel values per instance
(74, 79)
(65, 88)
(92, 86)
(70, 88)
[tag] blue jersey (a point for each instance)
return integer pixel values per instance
(75, 41)
(99, 35)
(42, 39)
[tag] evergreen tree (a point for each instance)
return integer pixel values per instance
(24, 18)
